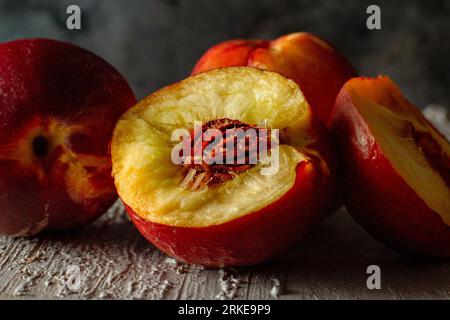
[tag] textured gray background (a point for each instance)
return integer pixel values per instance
(156, 42)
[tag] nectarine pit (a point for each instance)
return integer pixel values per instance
(201, 175)
(434, 154)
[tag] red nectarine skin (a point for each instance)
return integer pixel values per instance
(58, 107)
(316, 66)
(375, 194)
(232, 53)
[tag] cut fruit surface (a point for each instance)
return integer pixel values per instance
(149, 182)
(234, 213)
(394, 168)
(419, 153)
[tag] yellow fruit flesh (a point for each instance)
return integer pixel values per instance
(392, 128)
(149, 182)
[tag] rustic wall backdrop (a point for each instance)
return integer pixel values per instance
(156, 42)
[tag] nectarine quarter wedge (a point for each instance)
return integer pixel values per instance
(395, 168)
(230, 214)
(315, 65)
(58, 107)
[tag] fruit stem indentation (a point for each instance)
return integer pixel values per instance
(40, 146)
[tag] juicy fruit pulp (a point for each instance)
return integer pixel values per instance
(148, 181)
(415, 149)
(394, 167)
(436, 157)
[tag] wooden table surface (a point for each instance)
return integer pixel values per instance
(110, 259)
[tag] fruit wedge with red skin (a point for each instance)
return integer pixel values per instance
(58, 107)
(315, 65)
(236, 222)
(395, 168)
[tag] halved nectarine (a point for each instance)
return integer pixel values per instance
(395, 168)
(224, 215)
(58, 107)
(314, 64)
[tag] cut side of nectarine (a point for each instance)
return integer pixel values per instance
(221, 214)
(419, 153)
(395, 167)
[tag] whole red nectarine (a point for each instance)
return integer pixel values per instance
(315, 65)
(58, 107)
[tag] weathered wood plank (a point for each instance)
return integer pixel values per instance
(116, 262)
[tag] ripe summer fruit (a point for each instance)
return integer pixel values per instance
(219, 215)
(58, 107)
(395, 168)
(316, 66)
